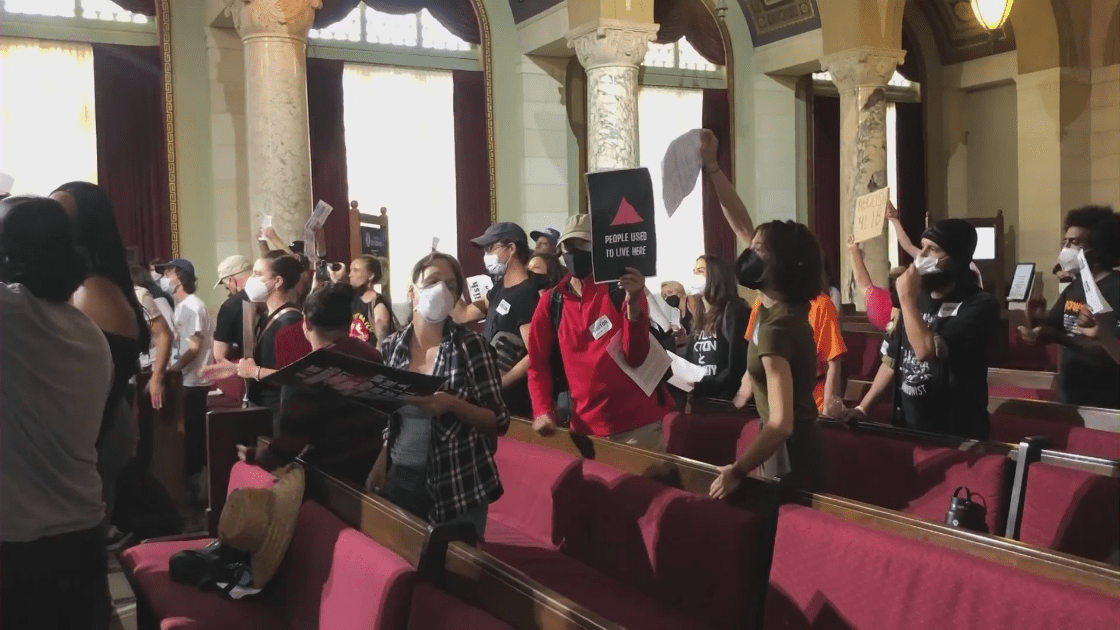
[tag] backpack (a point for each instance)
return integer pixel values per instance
(209, 567)
(618, 296)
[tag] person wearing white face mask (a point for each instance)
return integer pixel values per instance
(271, 284)
(508, 308)
(936, 358)
(1089, 372)
(718, 340)
(438, 459)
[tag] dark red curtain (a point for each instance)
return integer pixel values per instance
(691, 20)
(472, 166)
(132, 144)
(911, 163)
(328, 152)
(457, 16)
(826, 177)
(143, 7)
(719, 240)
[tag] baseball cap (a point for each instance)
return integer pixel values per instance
(504, 231)
(578, 226)
(182, 264)
(232, 266)
(552, 234)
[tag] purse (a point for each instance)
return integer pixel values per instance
(213, 567)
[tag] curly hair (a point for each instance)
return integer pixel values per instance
(793, 261)
(328, 308)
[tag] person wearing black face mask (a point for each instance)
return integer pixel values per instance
(936, 358)
(572, 330)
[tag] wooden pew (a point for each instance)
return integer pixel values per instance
(469, 574)
(1042, 562)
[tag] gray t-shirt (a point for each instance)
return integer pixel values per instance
(55, 374)
(412, 444)
(191, 319)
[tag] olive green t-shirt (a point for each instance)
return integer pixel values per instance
(783, 330)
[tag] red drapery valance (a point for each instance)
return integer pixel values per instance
(457, 16)
(691, 20)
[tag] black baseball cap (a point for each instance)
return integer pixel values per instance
(501, 232)
(552, 234)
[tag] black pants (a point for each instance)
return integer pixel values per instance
(194, 420)
(55, 583)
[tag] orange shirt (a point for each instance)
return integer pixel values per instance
(826, 334)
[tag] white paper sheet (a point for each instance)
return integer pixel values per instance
(238, 592)
(1093, 298)
(479, 287)
(318, 216)
(685, 373)
(435, 243)
(657, 312)
(680, 168)
(648, 374)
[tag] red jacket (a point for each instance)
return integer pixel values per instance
(605, 401)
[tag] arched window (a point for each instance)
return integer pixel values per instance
(103, 10)
(679, 55)
(413, 30)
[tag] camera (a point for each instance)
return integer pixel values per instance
(323, 271)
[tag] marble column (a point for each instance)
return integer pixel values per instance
(274, 36)
(861, 75)
(612, 51)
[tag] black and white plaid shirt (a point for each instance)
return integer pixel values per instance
(462, 475)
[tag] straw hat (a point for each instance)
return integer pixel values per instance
(261, 521)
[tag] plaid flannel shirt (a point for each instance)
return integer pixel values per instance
(462, 474)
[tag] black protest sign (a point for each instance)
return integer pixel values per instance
(622, 224)
(364, 382)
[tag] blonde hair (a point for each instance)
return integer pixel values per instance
(673, 284)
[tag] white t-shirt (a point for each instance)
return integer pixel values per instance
(152, 308)
(192, 319)
(55, 374)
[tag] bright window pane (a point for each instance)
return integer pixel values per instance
(51, 8)
(664, 114)
(433, 35)
(348, 29)
(394, 30)
(47, 134)
(692, 60)
(660, 56)
(398, 156)
(109, 11)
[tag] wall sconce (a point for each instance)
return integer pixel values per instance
(992, 14)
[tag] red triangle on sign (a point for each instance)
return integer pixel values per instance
(626, 214)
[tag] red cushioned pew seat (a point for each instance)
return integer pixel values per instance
(1072, 511)
(1063, 435)
(333, 578)
(705, 437)
(629, 548)
(436, 609)
(829, 572)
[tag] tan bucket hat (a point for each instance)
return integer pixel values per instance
(578, 226)
(261, 522)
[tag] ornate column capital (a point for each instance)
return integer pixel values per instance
(606, 42)
(864, 66)
(283, 18)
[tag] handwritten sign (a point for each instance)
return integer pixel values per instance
(622, 223)
(479, 287)
(871, 212)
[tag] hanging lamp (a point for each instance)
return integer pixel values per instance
(991, 14)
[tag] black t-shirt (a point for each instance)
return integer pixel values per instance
(362, 326)
(510, 309)
(265, 355)
(723, 355)
(1088, 377)
(228, 326)
(949, 392)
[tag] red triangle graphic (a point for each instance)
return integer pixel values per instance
(626, 215)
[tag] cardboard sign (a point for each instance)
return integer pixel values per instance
(871, 213)
(623, 232)
(370, 384)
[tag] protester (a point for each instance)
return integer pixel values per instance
(109, 299)
(545, 241)
(1089, 373)
(229, 327)
(605, 400)
(784, 263)
(939, 348)
(508, 308)
(908, 246)
(438, 459)
(718, 341)
(56, 372)
(193, 342)
(688, 308)
(343, 437)
(373, 312)
(159, 319)
(879, 301)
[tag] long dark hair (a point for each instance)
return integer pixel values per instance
(37, 248)
(793, 267)
(721, 291)
(95, 232)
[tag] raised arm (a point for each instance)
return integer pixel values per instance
(863, 277)
(903, 238)
(734, 210)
